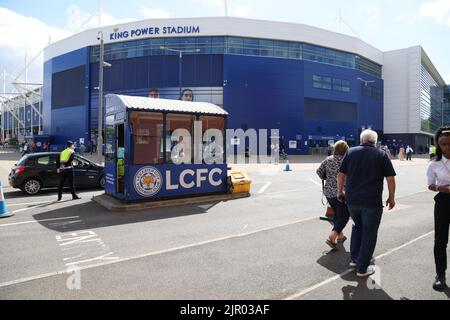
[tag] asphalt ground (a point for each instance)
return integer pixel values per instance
(270, 246)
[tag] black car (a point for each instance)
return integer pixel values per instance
(37, 171)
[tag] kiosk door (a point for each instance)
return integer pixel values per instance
(120, 157)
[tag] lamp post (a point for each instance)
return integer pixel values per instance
(102, 64)
(180, 63)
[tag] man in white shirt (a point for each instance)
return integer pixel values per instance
(438, 174)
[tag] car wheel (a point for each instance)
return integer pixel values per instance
(101, 182)
(32, 186)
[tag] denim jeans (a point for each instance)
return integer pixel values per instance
(364, 235)
(341, 214)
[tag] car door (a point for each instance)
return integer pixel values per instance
(84, 174)
(46, 168)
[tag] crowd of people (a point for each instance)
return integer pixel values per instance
(353, 185)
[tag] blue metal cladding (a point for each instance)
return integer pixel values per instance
(135, 76)
(267, 93)
(263, 92)
(66, 122)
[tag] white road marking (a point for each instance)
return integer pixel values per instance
(28, 203)
(36, 221)
(286, 191)
(51, 274)
(264, 188)
(321, 284)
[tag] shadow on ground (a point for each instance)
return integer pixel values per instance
(92, 215)
(365, 288)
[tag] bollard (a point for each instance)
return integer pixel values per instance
(3, 209)
(288, 168)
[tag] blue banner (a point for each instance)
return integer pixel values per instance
(168, 181)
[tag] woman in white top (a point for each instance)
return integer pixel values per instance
(438, 174)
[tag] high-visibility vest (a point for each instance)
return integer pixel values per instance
(65, 155)
(121, 167)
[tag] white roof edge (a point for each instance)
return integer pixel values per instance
(167, 105)
(426, 59)
(224, 26)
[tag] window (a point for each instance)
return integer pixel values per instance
(46, 161)
(179, 149)
(322, 82)
(234, 45)
(239, 46)
(251, 47)
(213, 135)
(281, 49)
(371, 91)
(147, 130)
(329, 83)
(266, 48)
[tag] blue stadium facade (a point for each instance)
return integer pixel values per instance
(311, 92)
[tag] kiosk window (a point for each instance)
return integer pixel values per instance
(209, 122)
(182, 150)
(213, 138)
(147, 137)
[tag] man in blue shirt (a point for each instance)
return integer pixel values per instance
(362, 173)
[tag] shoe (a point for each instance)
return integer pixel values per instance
(439, 283)
(342, 240)
(76, 198)
(370, 271)
(352, 264)
(331, 244)
(59, 199)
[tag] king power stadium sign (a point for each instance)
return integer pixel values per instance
(148, 31)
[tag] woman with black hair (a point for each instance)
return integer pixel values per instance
(438, 174)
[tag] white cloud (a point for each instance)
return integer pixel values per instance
(402, 17)
(214, 3)
(152, 13)
(439, 10)
(242, 11)
(78, 20)
(374, 19)
(20, 35)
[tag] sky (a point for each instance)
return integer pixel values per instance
(27, 26)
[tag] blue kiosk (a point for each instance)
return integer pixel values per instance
(158, 149)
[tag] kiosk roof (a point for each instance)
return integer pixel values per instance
(164, 105)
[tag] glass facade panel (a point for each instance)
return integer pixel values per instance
(266, 48)
(446, 107)
(281, 49)
(329, 83)
(239, 46)
(431, 102)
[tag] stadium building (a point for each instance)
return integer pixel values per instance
(314, 85)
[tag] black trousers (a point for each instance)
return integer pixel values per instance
(441, 228)
(341, 214)
(63, 176)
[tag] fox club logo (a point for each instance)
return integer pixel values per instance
(148, 181)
